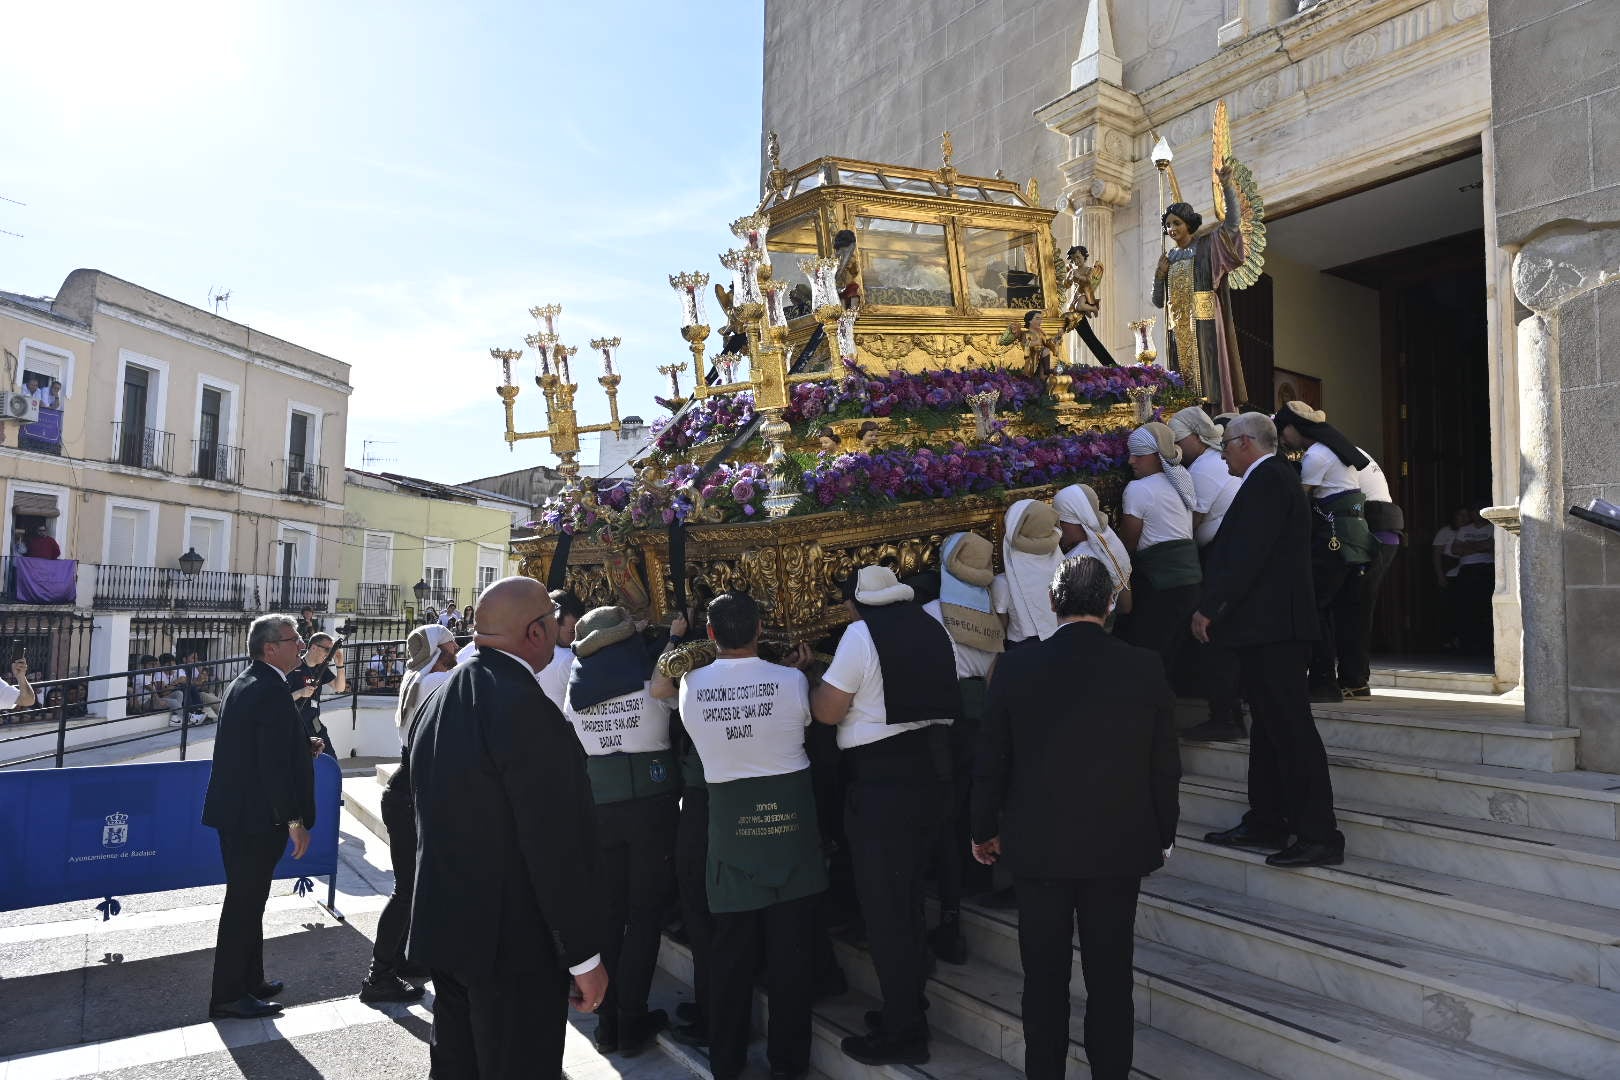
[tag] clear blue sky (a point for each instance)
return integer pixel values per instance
(393, 184)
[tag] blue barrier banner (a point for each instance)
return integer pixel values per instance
(113, 830)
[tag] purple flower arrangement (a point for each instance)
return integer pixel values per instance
(1108, 385)
(853, 481)
(731, 492)
(714, 419)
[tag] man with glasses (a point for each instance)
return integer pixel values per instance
(1257, 599)
(507, 907)
(261, 792)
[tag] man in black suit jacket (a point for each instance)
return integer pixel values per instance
(1076, 781)
(261, 791)
(506, 906)
(1257, 599)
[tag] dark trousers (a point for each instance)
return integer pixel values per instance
(1354, 638)
(1104, 910)
(786, 931)
(504, 1028)
(1289, 787)
(250, 863)
(636, 839)
(1161, 619)
(1338, 604)
(1222, 678)
(891, 827)
(1475, 625)
(399, 818)
(691, 859)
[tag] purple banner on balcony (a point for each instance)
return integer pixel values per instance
(45, 581)
(48, 428)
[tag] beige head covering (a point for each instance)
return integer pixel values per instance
(1077, 504)
(600, 627)
(1029, 572)
(877, 586)
(422, 647)
(1195, 421)
(1306, 413)
(972, 560)
(1037, 531)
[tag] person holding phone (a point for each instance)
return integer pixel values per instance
(20, 696)
(322, 664)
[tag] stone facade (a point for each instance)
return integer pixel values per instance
(1555, 96)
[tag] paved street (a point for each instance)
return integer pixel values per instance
(128, 998)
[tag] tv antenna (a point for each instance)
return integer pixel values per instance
(220, 298)
(13, 202)
(368, 458)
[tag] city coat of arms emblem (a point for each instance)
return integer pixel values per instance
(115, 833)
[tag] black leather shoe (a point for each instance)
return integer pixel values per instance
(1215, 731)
(636, 1033)
(874, 1018)
(382, 987)
(880, 1049)
(270, 989)
(246, 1007)
(1303, 854)
(690, 1034)
(1240, 835)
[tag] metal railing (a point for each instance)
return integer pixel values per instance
(138, 588)
(142, 447)
(56, 644)
(298, 478)
(378, 599)
(297, 593)
(440, 597)
(216, 461)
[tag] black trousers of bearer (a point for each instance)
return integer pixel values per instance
(786, 931)
(636, 841)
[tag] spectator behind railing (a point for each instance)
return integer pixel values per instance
(201, 702)
(20, 696)
(169, 689)
(141, 685)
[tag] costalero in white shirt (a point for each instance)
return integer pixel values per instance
(746, 717)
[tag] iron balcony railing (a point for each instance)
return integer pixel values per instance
(298, 478)
(378, 599)
(142, 447)
(440, 597)
(216, 461)
(140, 588)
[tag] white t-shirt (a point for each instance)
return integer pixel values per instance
(971, 662)
(1442, 540)
(633, 723)
(1323, 472)
(1470, 534)
(1205, 533)
(1209, 478)
(1372, 481)
(554, 679)
(1164, 516)
(855, 670)
(8, 695)
(446, 618)
(746, 716)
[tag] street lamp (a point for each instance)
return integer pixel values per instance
(420, 591)
(191, 563)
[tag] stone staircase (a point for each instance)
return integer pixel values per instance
(1473, 930)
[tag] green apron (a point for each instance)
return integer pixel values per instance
(1342, 517)
(621, 777)
(1169, 565)
(764, 846)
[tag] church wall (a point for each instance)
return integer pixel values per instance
(882, 80)
(1555, 88)
(1328, 327)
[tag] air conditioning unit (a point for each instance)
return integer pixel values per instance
(15, 406)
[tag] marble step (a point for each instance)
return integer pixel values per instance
(1559, 864)
(1584, 803)
(1413, 678)
(362, 797)
(833, 1020)
(1547, 934)
(1254, 1024)
(1447, 728)
(1471, 998)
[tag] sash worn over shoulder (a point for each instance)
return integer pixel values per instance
(764, 847)
(919, 668)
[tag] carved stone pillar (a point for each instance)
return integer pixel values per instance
(1094, 228)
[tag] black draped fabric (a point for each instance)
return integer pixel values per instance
(919, 668)
(621, 668)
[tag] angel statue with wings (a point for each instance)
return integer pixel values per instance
(1194, 278)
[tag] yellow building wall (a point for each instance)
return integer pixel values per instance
(412, 520)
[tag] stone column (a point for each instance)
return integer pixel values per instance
(109, 651)
(1094, 227)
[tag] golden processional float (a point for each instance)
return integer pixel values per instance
(886, 368)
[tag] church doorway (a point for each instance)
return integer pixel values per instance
(1374, 310)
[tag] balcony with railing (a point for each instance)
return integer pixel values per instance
(378, 599)
(440, 597)
(297, 477)
(149, 588)
(25, 580)
(216, 461)
(142, 447)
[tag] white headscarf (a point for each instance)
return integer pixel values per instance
(1195, 421)
(422, 652)
(1156, 438)
(1029, 576)
(1074, 505)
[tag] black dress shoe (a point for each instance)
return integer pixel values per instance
(874, 1018)
(270, 989)
(387, 987)
(690, 1034)
(1241, 835)
(246, 1007)
(1303, 854)
(1215, 731)
(636, 1033)
(880, 1049)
